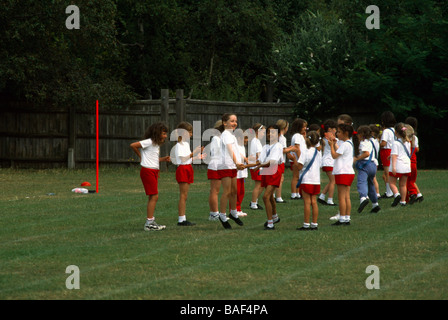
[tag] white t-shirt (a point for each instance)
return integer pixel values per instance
(242, 173)
(254, 148)
(300, 140)
(182, 149)
(215, 153)
(271, 153)
(377, 149)
(344, 163)
(327, 159)
(388, 136)
(149, 154)
(313, 174)
(403, 161)
(282, 141)
(228, 138)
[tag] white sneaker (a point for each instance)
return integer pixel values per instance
(241, 214)
(213, 216)
(335, 218)
(153, 226)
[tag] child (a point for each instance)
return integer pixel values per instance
(400, 162)
(328, 128)
(255, 147)
(227, 170)
(241, 174)
(154, 137)
(366, 169)
(310, 162)
(413, 193)
(283, 126)
(271, 174)
(387, 138)
(375, 138)
(184, 172)
(298, 130)
(212, 172)
(343, 170)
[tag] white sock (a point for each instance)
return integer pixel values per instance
(341, 218)
(279, 199)
(306, 225)
(322, 196)
(419, 195)
(274, 217)
(253, 204)
(234, 213)
(294, 195)
(388, 189)
(313, 225)
(223, 217)
(347, 218)
(150, 219)
(329, 200)
(362, 199)
(375, 204)
(396, 195)
(182, 218)
(270, 223)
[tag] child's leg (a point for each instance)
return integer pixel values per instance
(306, 207)
(233, 194)
(151, 207)
(315, 209)
(226, 183)
(257, 191)
(393, 184)
(215, 185)
(278, 191)
(295, 179)
(348, 202)
(183, 195)
(377, 186)
(341, 199)
(403, 189)
(267, 200)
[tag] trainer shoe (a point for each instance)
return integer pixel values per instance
(396, 200)
(363, 204)
(213, 217)
(237, 220)
(257, 207)
(321, 201)
(225, 224)
(375, 209)
(275, 221)
(186, 223)
(334, 218)
(412, 198)
(419, 199)
(241, 214)
(153, 226)
(269, 228)
(280, 201)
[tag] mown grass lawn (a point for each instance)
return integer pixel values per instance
(103, 235)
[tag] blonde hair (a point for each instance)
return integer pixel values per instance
(282, 124)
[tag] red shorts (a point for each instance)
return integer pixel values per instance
(213, 175)
(185, 174)
(312, 189)
(385, 157)
(327, 169)
(227, 173)
(344, 179)
(150, 178)
(399, 175)
(281, 167)
(255, 175)
(271, 180)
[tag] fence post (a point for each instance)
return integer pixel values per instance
(164, 117)
(71, 138)
(181, 112)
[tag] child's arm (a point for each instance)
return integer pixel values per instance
(165, 159)
(239, 165)
(332, 144)
(394, 163)
(362, 156)
(136, 146)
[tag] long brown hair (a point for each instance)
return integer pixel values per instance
(154, 132)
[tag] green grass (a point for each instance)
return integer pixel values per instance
(103, 235)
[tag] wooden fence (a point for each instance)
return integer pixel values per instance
(58, 138)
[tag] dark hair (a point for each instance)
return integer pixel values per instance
(375, 130)
(346, 119)
(346, 128)
(412, 121)
(313, 127)
(275, 127)
(400, 132)
(185, 126)
(225, 117)
(312, 138)
(388, 119)
(366, 133)
(297, 125)
(154, 132)
(329, 123)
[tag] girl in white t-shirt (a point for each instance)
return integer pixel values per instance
(255, 147)
(227, 170)
(148, 150)
(387, 138)
(241, 175)
(328, 129)
(298, 130)
(400, 163)
(310, 180)
(343, 170)
(270, 159)
(184, 173)
(212, 172)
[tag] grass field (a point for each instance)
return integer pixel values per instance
(103, 235)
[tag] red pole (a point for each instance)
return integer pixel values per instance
(97, 145)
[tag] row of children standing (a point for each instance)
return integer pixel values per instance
(228, 168)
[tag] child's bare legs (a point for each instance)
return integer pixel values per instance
(393, 184)
(278, 191)
(151, 207)
(377, 187)
(183, 190)
(215, 185)
(315, 208)
(269, 202)
(294, 180)
(306, 207)
(257, 191)
(229, 192)
(403, 187)
(345, 205)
